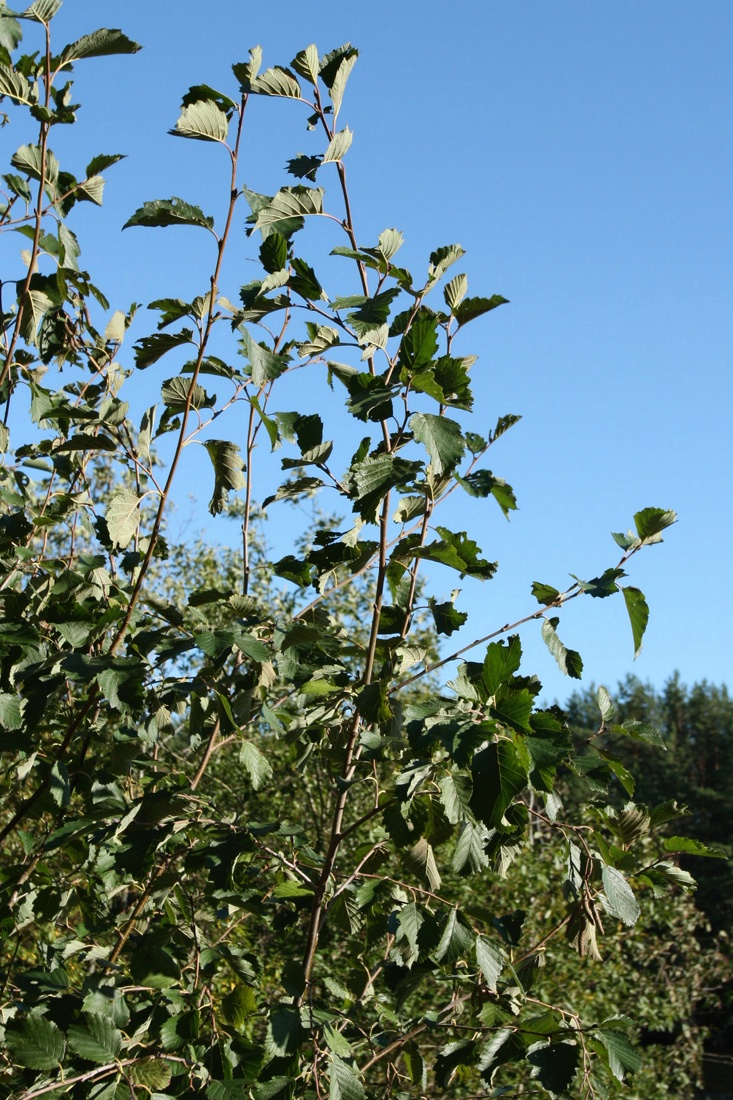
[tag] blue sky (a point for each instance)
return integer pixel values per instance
(582, 155)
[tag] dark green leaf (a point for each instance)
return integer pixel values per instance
(650, 523)
(442, 439)
(99, 43)
(228, 471)
(498, 776)
(569, 660)
(638, 610)
(40, 1045)
(470, 308)
(164, 212)
(96, 1040)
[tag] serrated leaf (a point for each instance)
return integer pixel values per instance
(555, 1065)
(650, 523)
(455, 291)
(568, 660)
(15, 86)
(490, 958)
(456, 940)
(605, 705)
(277, 81)
(619, 897)
(228, 471)
(266, 365)
(100, 43)
(152, 1074)
(40, 1045)
(622, 1058)
(638, 610)
(289, 203)
(306, 64)
(345, 1082)
(202, 120)
(165, 212)
(457, 551)
(178, 394)
(441, 437)
(42, 11)
(471, 849)
(544, 593)
(470, 308)
(338, 146)
(692, 847)
(421, 859)
(256, 763)
(11, 711)
(338, 85)
(96, 1040)
(498, 777)
(441, 260)
(123, 516)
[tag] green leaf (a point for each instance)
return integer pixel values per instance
(338, 84)
(455, 291)
(456, 940)
(15, 86)
(470, 308)
(600, 587)
(173, 211)
(40, 1045)
(568, 660)
(10, 32)
(152, 1074)
(96, 1040)
(650, 523)
(277, 81)
(228, 471)
(498, 776)
(203, 120)
(502, 660)
(284, 1032)
(441, 437)
(638, 610)
(544, 593)
(419, 344)
(441, 260)
(371, 479)
(692, 847)
(622, 1058)
(256, 763)
(555, 1065)
(266, 365)
(306, 64)
(619, 897)
(605, 705)
(345, 1082)
(490, 958)
(482, 483)
(290, 203)
(445, 616)
(11, 711)
(123, 517)
(458, 552)
(42, 11)
(100, 43)
(421, 859)
(338, 146)
(178, 394)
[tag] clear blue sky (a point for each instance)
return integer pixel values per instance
(583, 155)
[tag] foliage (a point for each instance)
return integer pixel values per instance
(243, 844)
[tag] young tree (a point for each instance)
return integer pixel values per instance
(246, 853)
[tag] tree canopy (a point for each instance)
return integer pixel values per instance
(254, 844)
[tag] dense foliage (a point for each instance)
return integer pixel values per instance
(249, 847)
